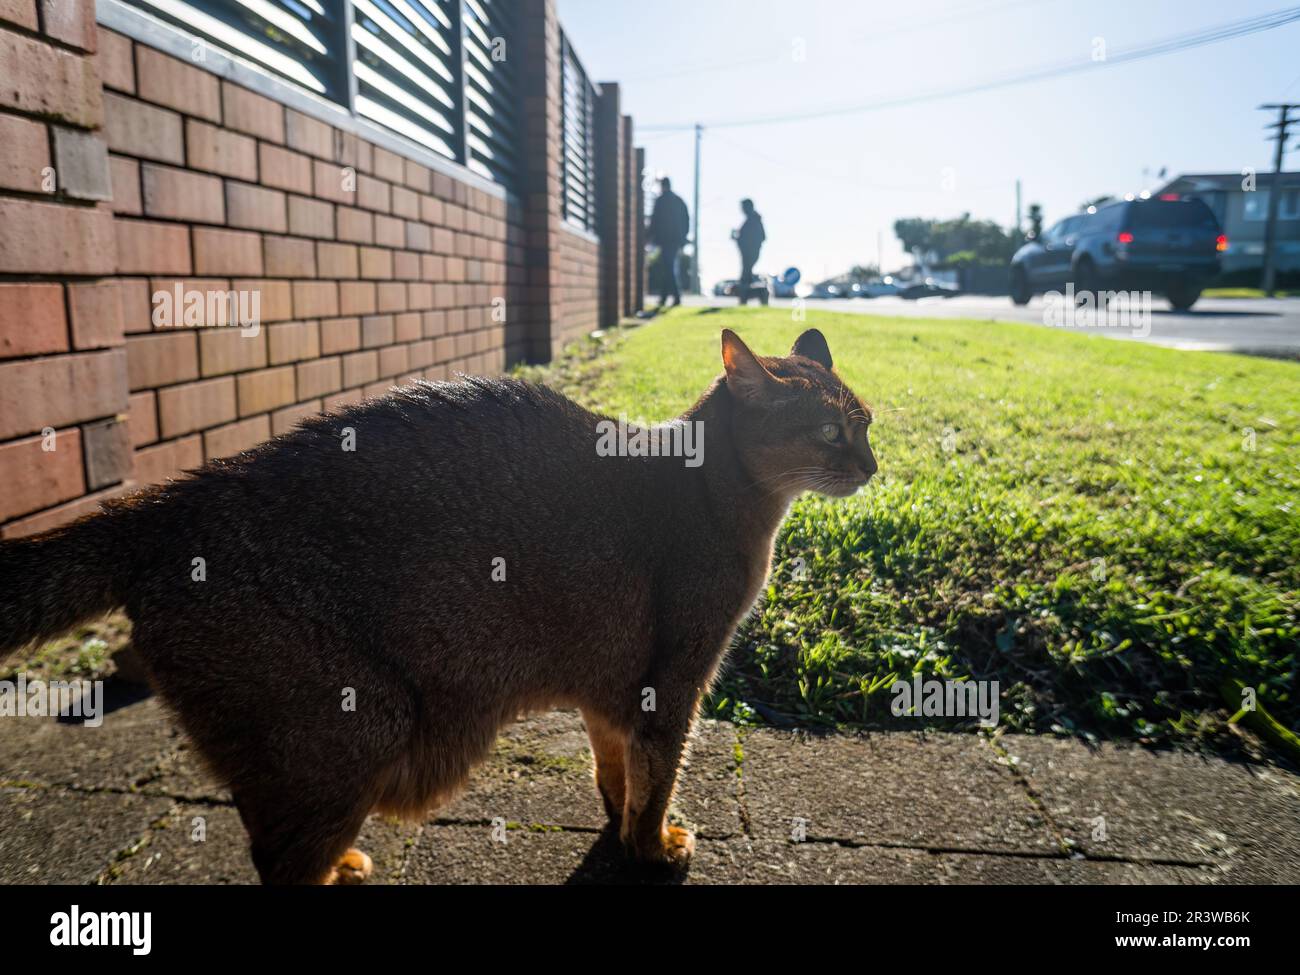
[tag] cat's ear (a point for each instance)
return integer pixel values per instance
(812, 345)
(746, 376)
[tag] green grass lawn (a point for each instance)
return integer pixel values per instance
(1108, 529)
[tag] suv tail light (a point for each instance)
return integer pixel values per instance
(1125, 237)
(1221, 242)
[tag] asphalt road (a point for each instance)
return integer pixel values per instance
(1258, 326)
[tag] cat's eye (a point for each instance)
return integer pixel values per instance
(831, 432)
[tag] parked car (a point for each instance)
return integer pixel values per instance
(827, 291)
(879, 289)
(1168, 246)
(725, 288)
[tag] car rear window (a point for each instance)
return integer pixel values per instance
(1171, 214)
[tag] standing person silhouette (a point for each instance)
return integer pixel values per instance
(670, 223)
(749, 238)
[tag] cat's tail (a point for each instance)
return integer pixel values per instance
(52, 581)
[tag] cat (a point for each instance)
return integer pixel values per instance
(343, 618)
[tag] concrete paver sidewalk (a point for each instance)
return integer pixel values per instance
(127, 803)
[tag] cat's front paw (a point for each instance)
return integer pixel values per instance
(354, 868)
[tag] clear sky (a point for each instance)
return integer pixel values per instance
(829, 188)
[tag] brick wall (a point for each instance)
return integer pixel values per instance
(579, 282)
(129, 174)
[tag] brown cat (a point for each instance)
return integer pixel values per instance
(363, 621)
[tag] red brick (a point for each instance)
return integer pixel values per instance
(136, 129)
(318, 377)
(136, 296)
(107, 453)
(20, 12)
(142, 417)
(407, 327)
(376, 330)
(419, 236)
(40, 79)
(196, 406)
(417, 177)
(236, 437)
(357, 298)
(178, 85)
(32, 321)
(421, 354)
(405, 203)
(376, 262)
(152, 248)
(227, 349)
(329, 180)
(36, 478)
(284, 169)
(116, 61)
(391, 296)
(26, 153)
(336, 260)
(282, 421)
(219, 150)
(276, 297)
(431, 209)
(310, 218)
(290, 257)
(162, 358)
(265, 390)
(406, 265)
(356, 226)
(315, 299)
(167, 461)
(372, 194)
(293, 341)
(46, 238)
(340, 335)
(227, 252)
(256, 208)
(393, 360)
(70, 21)
(169, 310)
(179, 194)
(96, 309)
(309, 135)
(60, 390)
(389, 165)
(124, 176)
(252, 113)
(360, 368)
(389, 231)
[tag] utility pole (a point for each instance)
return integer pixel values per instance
(695, 224)
(1018, 224)
(1284, 121)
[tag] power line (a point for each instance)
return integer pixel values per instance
(695, 68)
(1170, 45)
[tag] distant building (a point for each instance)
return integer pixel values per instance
(1243, 213)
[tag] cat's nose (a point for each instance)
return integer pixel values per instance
(868, 467)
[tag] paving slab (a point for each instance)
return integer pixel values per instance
(541, 773)
(1118, 800)
(50, 836)
(115, 755)
(207, 844)
(932, 791)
